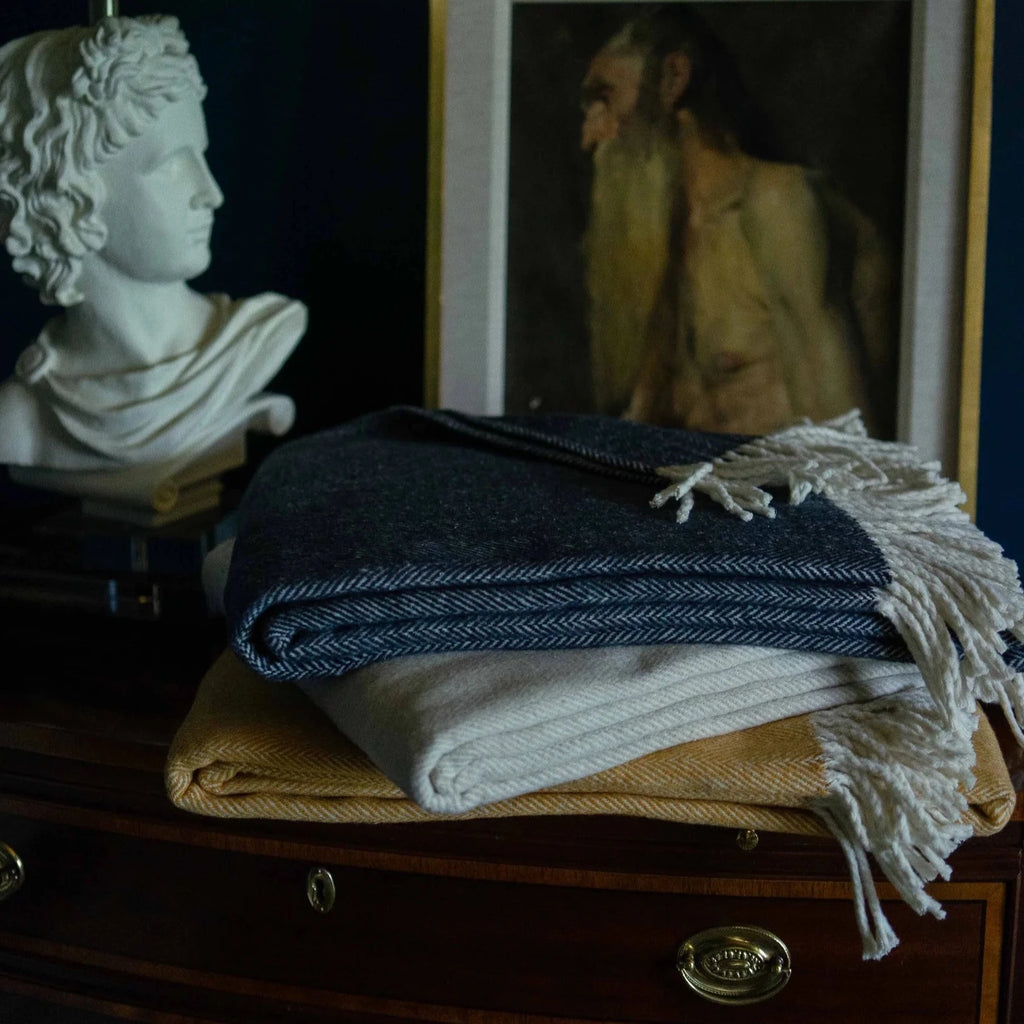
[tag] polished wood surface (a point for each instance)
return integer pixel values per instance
(133, 910)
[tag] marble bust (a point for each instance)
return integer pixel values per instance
(106, 207)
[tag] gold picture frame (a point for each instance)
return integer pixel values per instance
(975, 252)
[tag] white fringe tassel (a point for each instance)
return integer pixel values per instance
(897, 780)
(948, 579)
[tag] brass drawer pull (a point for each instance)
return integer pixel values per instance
(12, 872)
(735, 965)
(320, 889)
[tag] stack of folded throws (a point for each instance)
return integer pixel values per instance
(499, 611)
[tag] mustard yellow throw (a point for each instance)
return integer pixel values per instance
(254, 749)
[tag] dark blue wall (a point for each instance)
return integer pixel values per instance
(1000, 483)
(317, 112)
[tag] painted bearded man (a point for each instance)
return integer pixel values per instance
(727, 293)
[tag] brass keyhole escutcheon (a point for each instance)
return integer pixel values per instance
(320, 889)
(12, 872)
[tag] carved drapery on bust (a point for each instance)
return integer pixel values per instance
(124, 415)
(106, 207)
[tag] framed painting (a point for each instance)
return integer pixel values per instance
(994, 363)
(857, 112)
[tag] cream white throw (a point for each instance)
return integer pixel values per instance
(458, 731)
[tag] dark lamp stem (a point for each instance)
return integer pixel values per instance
(102, 9)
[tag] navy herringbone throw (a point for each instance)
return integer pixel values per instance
(410, 531)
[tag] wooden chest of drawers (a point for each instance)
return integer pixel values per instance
(133, 910)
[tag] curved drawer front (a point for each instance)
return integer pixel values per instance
(214, 928)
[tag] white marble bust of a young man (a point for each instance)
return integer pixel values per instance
(106, 206)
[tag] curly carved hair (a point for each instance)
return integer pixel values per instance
(70, 100)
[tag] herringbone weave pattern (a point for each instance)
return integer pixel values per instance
(408, 532)
(411, 532)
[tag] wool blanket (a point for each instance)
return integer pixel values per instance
(411, 532)
(249, 748)
(456, 731)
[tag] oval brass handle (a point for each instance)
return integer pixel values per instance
(736, 965)
(320, 889)
(12, 872)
